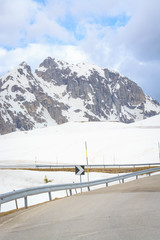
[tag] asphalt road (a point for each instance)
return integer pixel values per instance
(129, 211)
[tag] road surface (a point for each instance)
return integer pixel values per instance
(126, 211)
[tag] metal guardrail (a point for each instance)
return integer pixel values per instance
(73, 166)
(24, 193)
(99, 165)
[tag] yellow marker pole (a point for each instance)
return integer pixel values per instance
(87, 161)
(35, 161)
(159, 150)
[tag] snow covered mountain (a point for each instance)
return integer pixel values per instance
(59, 92)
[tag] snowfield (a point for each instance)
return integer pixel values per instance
(18, 179)
(108, 143)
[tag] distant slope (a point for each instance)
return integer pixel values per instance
(59, 92)
(152, 122)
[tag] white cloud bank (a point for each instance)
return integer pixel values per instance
(119, 34)
(34, 54)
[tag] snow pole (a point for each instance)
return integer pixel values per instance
(35, 161)
(87, 160)
(159, 150)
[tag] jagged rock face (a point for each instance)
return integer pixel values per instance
(59, 92)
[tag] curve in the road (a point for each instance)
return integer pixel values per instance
(126, 211)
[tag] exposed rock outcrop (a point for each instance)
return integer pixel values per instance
(59, 92)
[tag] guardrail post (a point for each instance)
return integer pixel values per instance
(122, 180)
(25, 202)
(16, 202)
(106, 184)
(136, 176)
(67, 193)
(88, 188)
(70, 190)
(50, 197)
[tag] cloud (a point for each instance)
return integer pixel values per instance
(118, 34)
(139, 37)
(44, 29)
(26, 21)
(142, 33)
(14, 18)
(34, 54)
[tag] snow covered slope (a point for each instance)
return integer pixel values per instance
(59, 92)
(108, 143)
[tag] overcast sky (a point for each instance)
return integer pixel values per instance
(123, 35)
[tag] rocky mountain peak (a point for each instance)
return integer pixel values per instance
(59, 92)
(23, 64)
(25, 70)
(48, 63)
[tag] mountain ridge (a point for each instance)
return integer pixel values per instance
(59, 92)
